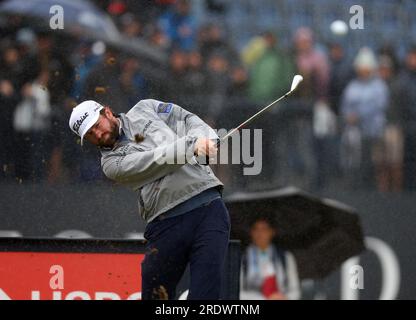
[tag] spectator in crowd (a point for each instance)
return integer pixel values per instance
(363, 108)
(157, 37)
(195, 78)
(26, 41)
(237, 91)
(195, 71)
(32, 122)
(217, 84)
(149, 10)
(313, 65)
(391, 179)
(51, 58)
(218, 7)
(253, 50)
(271, 74)
(10, 25)
(326, 128)
(267, 272)
(133, 84)
(103, 84)
(178, 66)
(388, 50)
(212, 39)
(131, 26)
(405, 98)
(341, 73)
(116, 8)
(84, 61)
(179, 25)
(10, 72)
(313, 125)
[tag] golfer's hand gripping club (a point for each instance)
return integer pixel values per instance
(205, 147)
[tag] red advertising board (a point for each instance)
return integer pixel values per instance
(87, 269)
(70, 276)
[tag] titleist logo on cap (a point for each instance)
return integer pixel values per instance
(79, 122)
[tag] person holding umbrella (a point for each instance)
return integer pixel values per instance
(267, 271)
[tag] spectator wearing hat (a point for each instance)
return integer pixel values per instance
(364, 105)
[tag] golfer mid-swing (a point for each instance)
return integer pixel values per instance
(152, 149)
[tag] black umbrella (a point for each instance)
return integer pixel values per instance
(80, 15)
(83, 19)
(321, 233)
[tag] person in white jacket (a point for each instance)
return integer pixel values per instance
(267, 272)
(31, 122)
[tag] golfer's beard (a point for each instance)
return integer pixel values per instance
(109, 138)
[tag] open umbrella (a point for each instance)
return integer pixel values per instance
(83, 19)
(321, 233)
(79, 15)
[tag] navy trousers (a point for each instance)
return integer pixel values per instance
(199, 237)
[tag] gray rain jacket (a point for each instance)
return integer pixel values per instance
(160, 168)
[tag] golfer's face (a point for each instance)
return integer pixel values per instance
(103, 133)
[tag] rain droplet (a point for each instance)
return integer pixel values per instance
(138, 138)
(111, 60)
(100, 90)
(73, 103)
(161, 293)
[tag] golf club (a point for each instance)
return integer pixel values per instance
(295, 82)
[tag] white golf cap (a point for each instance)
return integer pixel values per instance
(84, 116)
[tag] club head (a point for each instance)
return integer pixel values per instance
(296, 80)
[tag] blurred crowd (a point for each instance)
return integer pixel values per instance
(353, 119)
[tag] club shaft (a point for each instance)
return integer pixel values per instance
(251, 118)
